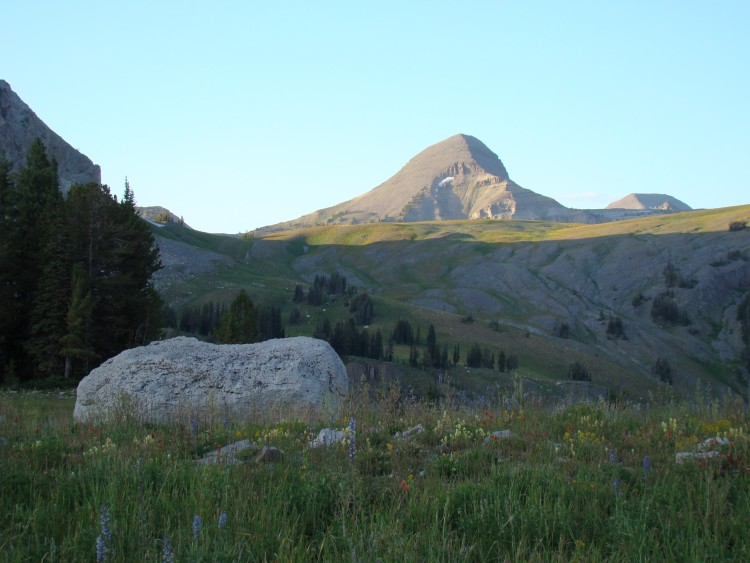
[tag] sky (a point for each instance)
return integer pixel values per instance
(237, 115)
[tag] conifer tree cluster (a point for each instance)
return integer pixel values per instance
(75, 273)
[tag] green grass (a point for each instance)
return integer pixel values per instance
(550, 492)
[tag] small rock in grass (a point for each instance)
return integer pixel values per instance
(327, 437)
(269, 455)
(230, 454)
(409, 432)
(682, 457)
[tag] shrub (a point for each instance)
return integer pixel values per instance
(663, 370)
(737, 225)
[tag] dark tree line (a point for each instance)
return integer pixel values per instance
(323, 288)
(75, 273)
(346, 338)
(244, 323)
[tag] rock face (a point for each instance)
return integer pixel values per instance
(19, 127)
(173, 380)
(458, 178)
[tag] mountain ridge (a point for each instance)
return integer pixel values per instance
(20, 126)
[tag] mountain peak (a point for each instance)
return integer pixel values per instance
(662, 202)
(457, 178)
(459, 149)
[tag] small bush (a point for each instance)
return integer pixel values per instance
(663, 370)
(737, 225)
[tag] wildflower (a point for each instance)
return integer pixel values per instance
(104, 522)
(222, 519)
(404, 486)
(352, 439)
(613, 456)
(101, 549)
(194, 423)
(103, 539)
(616, 486)
(646, 465)
(196, 526)
(166, 550)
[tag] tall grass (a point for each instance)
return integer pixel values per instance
(569, 482)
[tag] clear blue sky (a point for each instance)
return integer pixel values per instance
(243, 114)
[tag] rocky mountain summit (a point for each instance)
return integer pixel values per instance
(458, 178)
(661, 202)
(20, 126)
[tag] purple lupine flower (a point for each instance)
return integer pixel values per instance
(352, 439)
(196, 526)
(194, 423)
(102, 541)
(101, 549)
(616, 486)
(646, 465)
(222, 519)
(166, 550)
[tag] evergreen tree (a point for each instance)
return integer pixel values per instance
(239, 324)
(74, 344)
(431, 354)
(501, 361)
(50, 304)
(27, 229)
(474, 357)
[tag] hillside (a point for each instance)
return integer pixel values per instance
(527, 278)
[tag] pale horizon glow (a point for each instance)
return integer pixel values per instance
(237, 115)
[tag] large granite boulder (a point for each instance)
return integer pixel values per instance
(181, 379)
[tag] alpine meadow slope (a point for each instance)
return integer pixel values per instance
(549, 292)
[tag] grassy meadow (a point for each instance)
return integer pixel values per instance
(588, 481)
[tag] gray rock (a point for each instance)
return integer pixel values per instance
(327, 437)
(410, 432)
(293, 378)
(269, 454)
(228, 454)
(717, 441)
(682, 457)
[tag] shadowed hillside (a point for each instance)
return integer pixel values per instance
(553, 293)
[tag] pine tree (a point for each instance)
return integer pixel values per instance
(239, 323)
(74, 344)
(28, 229)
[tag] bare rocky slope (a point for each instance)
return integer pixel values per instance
(20, 126)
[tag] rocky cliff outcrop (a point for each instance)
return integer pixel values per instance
(19, 127)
